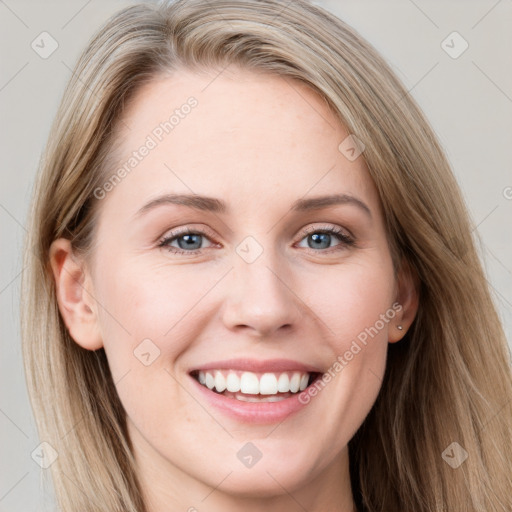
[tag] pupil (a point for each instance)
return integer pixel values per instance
(189, 241)
(321, 240)
(321, 237)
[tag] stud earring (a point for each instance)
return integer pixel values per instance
(399, 327)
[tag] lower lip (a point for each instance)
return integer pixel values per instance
(253, 412)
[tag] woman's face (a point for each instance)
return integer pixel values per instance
(259, 290)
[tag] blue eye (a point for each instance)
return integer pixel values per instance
(189, 242)
(322, 238)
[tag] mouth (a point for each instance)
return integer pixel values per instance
(247, 386)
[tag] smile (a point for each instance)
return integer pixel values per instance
(255, 387)
(254, 391)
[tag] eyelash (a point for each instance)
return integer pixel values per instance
(346, 240)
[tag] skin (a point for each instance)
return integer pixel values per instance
(259, 142)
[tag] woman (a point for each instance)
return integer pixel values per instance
(260, 286)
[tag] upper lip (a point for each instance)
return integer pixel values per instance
(259, 365)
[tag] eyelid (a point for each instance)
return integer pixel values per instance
(184, 230)
(327, 227)
(345, 237)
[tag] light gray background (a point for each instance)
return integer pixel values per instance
(468, 101)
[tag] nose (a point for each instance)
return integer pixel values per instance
(260, 299)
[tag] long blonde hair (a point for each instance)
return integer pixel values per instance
(447, 381)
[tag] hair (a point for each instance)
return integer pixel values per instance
(448, 380)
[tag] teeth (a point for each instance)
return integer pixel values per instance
(268, 384)
(210, 381)
(233, 383)
(250, 383)
(304, 382)
(244, 398)
(283, 384)
(295, 383)
(220, 382)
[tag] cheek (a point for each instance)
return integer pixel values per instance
(355, 307)
(351, 300)
(149, 316)
(156, 302)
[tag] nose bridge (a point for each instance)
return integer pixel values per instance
(258, 296)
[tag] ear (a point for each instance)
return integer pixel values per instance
(74, 295)
(407, 295)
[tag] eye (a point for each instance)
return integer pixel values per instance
(321, 238)
(187, 240)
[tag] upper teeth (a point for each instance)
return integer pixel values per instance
(251, 383)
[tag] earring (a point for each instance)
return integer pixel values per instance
(399, 327)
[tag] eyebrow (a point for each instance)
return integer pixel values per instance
(214, 205)
(319, 202)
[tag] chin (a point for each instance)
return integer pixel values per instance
(260, 484)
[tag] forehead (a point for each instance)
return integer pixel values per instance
(238, 134)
